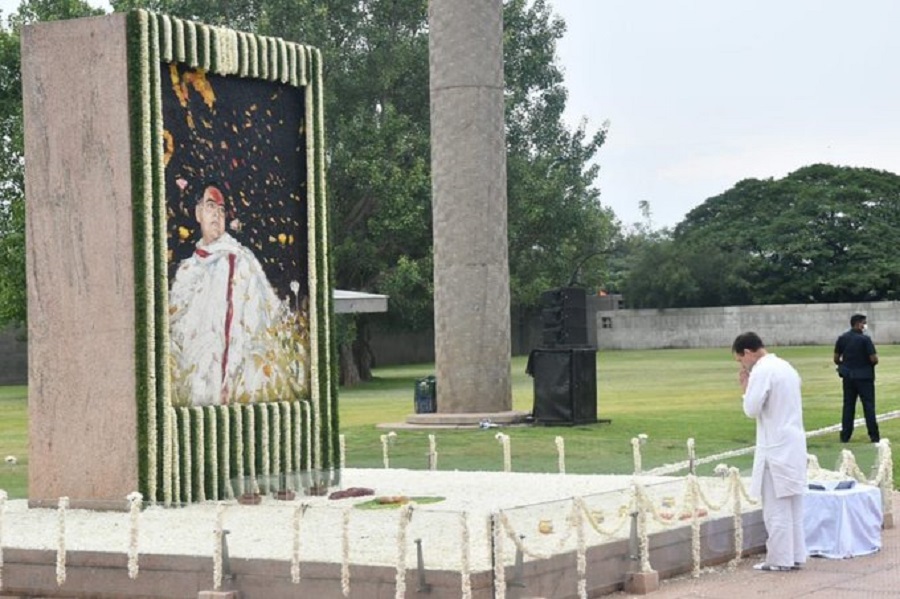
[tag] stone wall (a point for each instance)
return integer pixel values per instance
(798, 324)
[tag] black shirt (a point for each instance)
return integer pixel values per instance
(855, 349)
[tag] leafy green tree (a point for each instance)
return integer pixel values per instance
(377, 127)
(821, 234)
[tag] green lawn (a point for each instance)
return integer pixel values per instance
(669, 395)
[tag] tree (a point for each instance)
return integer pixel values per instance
(820, 234)
(377, 127)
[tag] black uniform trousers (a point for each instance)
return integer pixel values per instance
(865, 390)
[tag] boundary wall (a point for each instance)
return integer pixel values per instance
(788, 324)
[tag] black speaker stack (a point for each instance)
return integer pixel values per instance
(565, 366)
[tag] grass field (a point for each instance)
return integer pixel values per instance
(669, 395)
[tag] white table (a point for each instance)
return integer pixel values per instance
(843, 523)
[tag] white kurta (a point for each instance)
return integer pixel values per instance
(225, 324)
(773, 399)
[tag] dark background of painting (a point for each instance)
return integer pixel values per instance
(251, 142)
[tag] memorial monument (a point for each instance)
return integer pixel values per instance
(179, 286)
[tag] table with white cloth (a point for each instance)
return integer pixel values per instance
(841, 523)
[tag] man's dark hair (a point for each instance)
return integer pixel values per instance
(856, 319)
(747, 342)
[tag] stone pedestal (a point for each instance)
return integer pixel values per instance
(80, 263)
(642, 583)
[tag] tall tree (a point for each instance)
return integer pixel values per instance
(821, 234)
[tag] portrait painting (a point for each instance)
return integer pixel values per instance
(235, 165)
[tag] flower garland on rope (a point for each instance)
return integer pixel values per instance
(297, 411)
(307, 426)
(176, 456)
(694, 487)
(507, 457)
(595, 524)
(885, 475)
(404, 517)
(342, 451)
(286, 435)
(581, 553)
(465, 568)
(345, 552)
(299, 511)
(499, 566)
(636, 454)
(135, 501)
(3, 497)
(561, 454)
(218, 535)
(735, 488)
(61, 541)
(639, 503)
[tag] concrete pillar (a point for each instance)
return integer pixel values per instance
(468, 169)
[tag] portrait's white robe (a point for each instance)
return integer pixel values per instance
(224, 319)
(773, 399)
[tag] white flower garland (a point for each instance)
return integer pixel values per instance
(404, 517)
(218, 534)
(499, 566)
(695, 526)
(386, 441)
(432, 452)
(239, 445)
(226, 451)
(345, 552)
(735, 488)
(276, 440)
(581, 553)
(213, 450)
(201, 454)
(251, 448)
(180, 54)
(636, 454)
(307, 434)
(692, 455)
(297, 411)
(639, 501)
(295, 554)
(134, 500)
(561, 454)
(3, 497)
(61, 541)
(166, 50)
(264, 443)
(313, 263)
(507, 457)
(288, 438)
(193, 59)
(465, 568)
(187, 452)
(176, 455)
(342, 450)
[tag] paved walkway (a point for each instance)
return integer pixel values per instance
(866, 577)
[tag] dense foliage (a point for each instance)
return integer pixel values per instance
(821, 234)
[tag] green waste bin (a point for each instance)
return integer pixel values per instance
(426, 395)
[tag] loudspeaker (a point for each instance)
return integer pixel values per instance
(564, 317)
(565, 385)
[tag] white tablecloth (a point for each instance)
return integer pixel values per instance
(843, 523)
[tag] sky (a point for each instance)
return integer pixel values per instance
(701, 94)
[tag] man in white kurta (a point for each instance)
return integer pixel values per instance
(772, 397)
(224, 319)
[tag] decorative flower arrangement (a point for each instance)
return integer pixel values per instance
(218, 535)
(404, 517)
(432, 452)
(135, 502)
(499, 559)
(345, 552)
(154, 39)
(581, 553)
(342, 451)
(61, 541)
